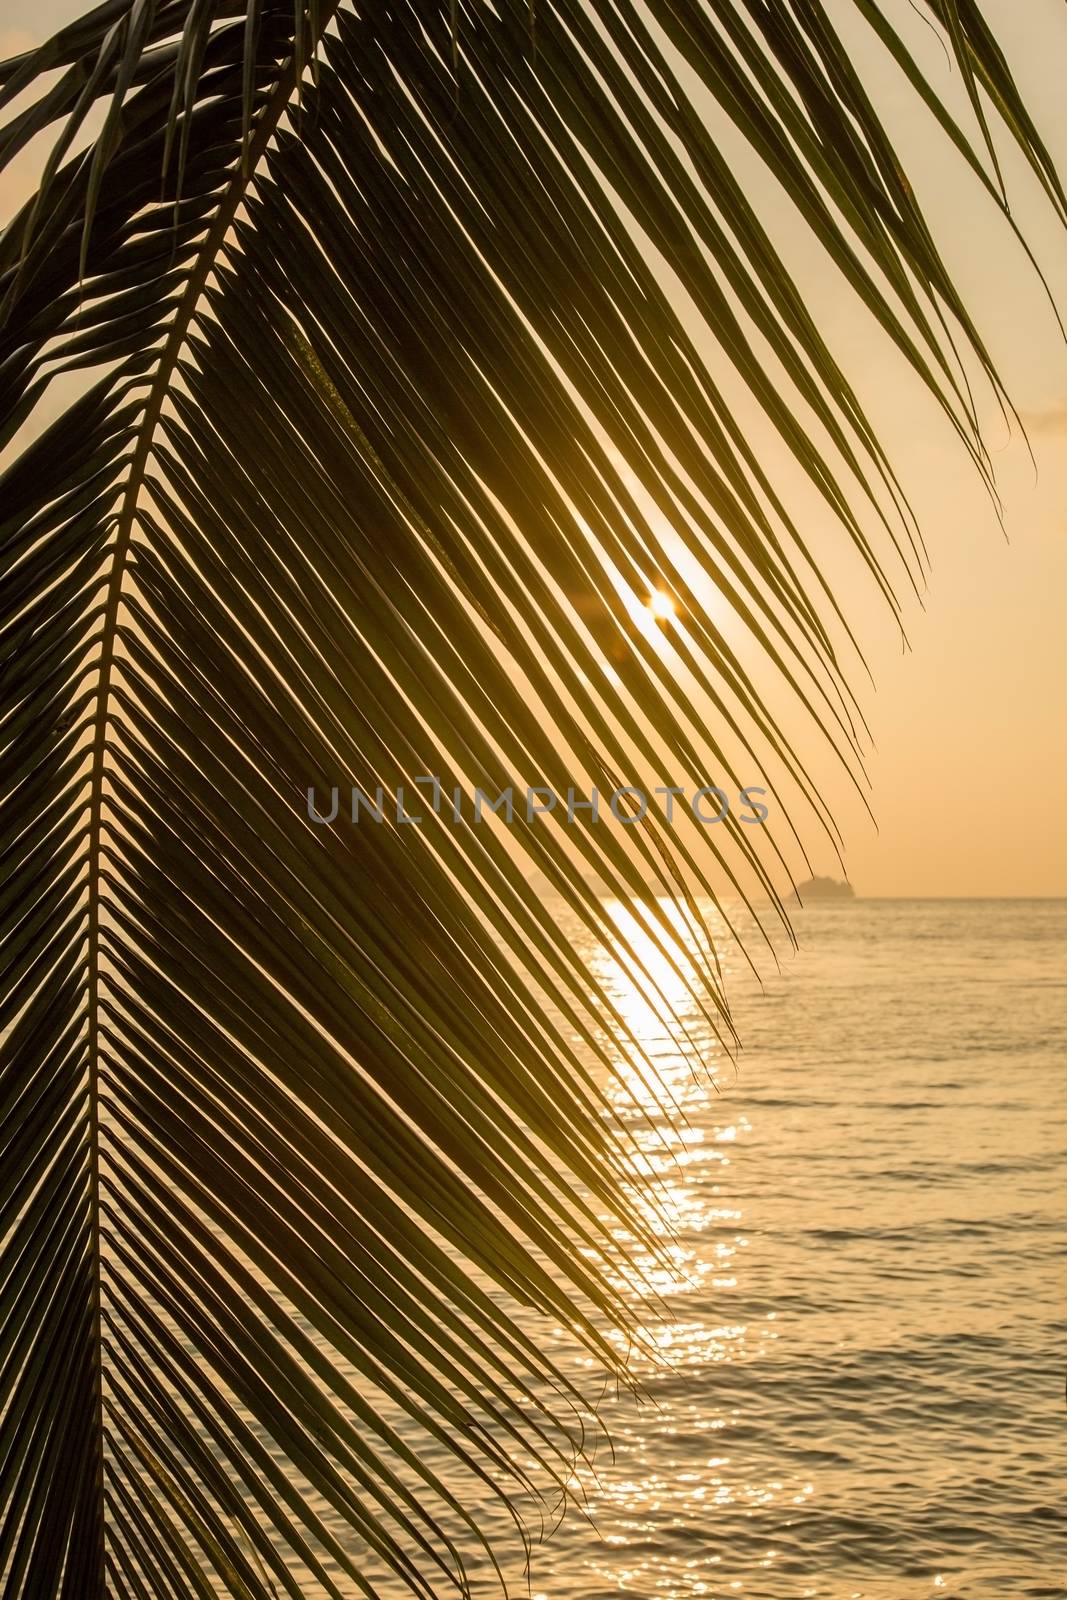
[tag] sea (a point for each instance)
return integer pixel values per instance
(859, 1392)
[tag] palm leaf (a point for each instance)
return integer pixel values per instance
(375, 405)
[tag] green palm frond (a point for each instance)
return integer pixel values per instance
(377, 400)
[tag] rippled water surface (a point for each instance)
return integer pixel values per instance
(865, 1394)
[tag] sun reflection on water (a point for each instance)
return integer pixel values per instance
(654, 1508)
(651, 981)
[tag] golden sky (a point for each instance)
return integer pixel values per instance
(969, 767)
(969, 770)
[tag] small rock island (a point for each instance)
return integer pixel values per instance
(822, 889)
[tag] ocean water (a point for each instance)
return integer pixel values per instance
(862, 1391)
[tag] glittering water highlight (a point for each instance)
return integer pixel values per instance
(864, 1389)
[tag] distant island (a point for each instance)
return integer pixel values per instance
(822, 889)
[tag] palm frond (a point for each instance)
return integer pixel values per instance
(384, 403)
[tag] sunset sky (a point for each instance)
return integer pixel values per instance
(970, 762)
(971, 765)
(969, 769)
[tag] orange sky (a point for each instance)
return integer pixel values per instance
(969, 773)
(970, 766)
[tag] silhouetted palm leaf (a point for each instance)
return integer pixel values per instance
(373, 407)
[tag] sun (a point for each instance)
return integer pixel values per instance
(661, 605)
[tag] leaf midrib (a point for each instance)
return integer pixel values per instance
(244, 171)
